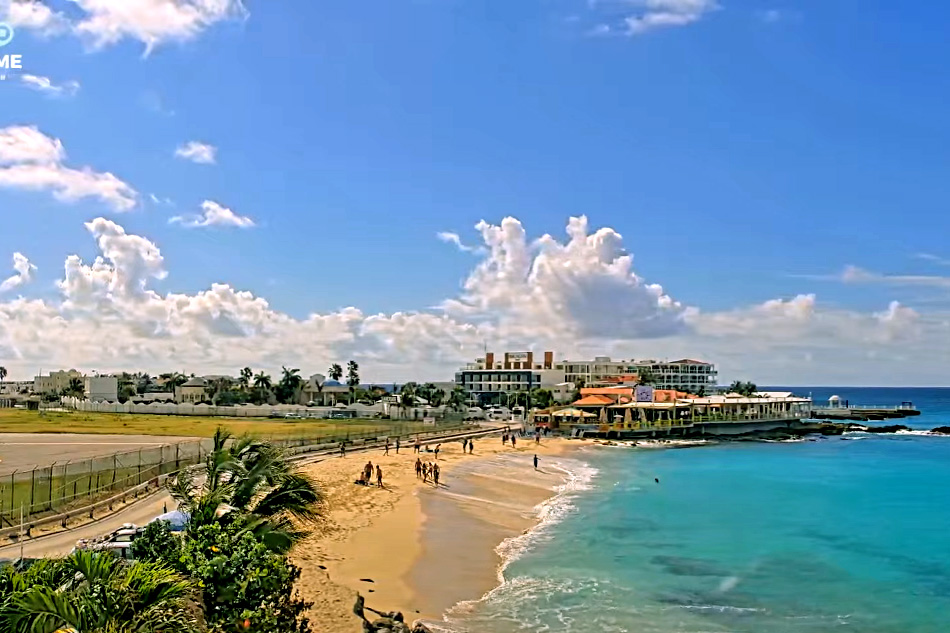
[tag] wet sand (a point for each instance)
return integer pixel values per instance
(409, 546)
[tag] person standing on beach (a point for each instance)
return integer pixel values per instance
(435, 474)
(379, 476)
(504, 439)
(342, 449)
(512, 441)
(368, 473)
(425, 473)
(418, 468)
(417, 445)
(535, 462)
(397, 446)
(438, 447)
(387, 447)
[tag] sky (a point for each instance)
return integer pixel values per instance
(203, 185)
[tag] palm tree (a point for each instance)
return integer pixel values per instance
(263, 382)
(335, 372)
(645, 376)
(352, 377)
(407, 397)
(252, 481)
(95, 592)
(458, 398)
(3, 375)
(290, 382)
(246, 375)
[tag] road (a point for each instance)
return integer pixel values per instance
(61, 543)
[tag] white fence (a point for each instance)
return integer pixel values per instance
(254, 411)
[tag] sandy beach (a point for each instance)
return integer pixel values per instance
(414, 548)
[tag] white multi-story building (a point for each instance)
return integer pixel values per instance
(56, 382)
(687, 375)
(16, 387)
(101, 388)
(491, 380)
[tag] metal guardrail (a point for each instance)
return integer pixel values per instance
(866, 407)
(151, 487)
(62, 486)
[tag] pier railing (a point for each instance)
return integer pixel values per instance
(866, 407)
(677, 423)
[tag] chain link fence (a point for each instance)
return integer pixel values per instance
(64, 486)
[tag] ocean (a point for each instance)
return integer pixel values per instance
(847, 534)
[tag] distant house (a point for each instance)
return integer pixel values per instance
(192, 392)
(101, 388)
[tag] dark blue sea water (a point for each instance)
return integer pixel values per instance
(842, 534)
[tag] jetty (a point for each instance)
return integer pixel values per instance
(841, 410)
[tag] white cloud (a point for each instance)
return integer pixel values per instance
(579, 296)
(213, 214)
(105, 22)
(933, 259)
(24, 273)
(197, 152)
(654, 14)
(33, 161)
(450, 237)
(46, 86)
(35, 15)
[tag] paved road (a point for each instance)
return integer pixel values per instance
(60, 544)
(25, 451)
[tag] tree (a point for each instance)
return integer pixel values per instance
(251, 478)
(245, 377)
(76, 388)
(352, 377)
(542, 398)
(288, 386)
(335, 372)
(3, 375)
(578, 385)
(458, 399)
(436, 397)
(244, 585)
(407, 397)
(645, 376)
(95, 592)
(747, 389)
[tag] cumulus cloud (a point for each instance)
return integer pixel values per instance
(584, 287)
(105, 22)
(656, 14)
(213, 214)
(35, 15)
(33, 161)
(197, 152)
(578, 295)
(24, 273)
(46, 86)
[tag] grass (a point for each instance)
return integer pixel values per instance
(22, 421)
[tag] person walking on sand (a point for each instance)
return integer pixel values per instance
(379, 475)
(418, 468)
(536, 462)
(471, 447)
(425, 473)
(387, 447)
(504, 439)
(368, 473)
(435, 475)
(342, 449)
(438, 447)
(512, 441)
(397, 446)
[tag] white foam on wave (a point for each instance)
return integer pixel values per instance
(578, 477)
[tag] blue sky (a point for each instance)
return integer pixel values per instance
(747, 152)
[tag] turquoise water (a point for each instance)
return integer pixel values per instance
(849, 535)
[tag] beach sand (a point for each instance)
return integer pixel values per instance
(411, 547)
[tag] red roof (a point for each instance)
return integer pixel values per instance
(689, 361)
(594, 401)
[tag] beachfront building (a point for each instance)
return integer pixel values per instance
(689, 375)
(101, 388)
(727, 414)
(16, 387)
(694, 376)
(56, 382)
(493, 379)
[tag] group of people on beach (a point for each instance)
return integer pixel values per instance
(366, 477)
(428, 471)
(509, 437)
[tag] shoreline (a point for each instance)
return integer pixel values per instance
(411, 547)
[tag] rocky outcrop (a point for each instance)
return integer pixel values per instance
(941, 430)
(892, 428)
(388, 622)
